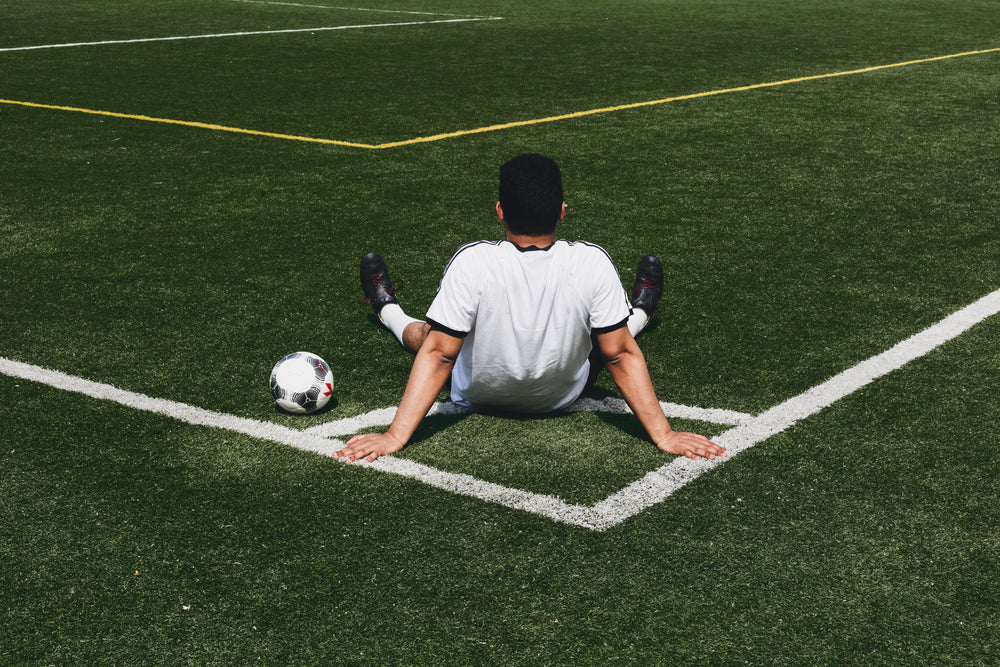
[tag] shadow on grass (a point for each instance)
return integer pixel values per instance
(331, 405)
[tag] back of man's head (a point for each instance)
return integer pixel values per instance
(531, 195)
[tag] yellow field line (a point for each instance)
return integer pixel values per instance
(678, 98)
(189, 123)
(503, 126)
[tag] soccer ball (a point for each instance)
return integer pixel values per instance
(301, 383)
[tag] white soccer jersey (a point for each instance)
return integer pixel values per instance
(527, 316)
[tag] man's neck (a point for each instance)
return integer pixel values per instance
(522, 241)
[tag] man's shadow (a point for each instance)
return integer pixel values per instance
(436, 424)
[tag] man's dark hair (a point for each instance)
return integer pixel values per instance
(531, 195)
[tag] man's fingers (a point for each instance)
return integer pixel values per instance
(709, 451)
(353, 451)
(351, 456)
(369, 446)
(712, 450)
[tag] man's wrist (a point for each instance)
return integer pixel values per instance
(400, 442)
(663, 435)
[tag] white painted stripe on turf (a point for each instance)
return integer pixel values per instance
(671, 410)
(185, 413)
(658, 485)
(350, 9)
(712, 415)
(142, 40)
(467, 485)
(380, 417)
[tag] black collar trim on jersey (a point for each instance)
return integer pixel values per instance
(532, 248)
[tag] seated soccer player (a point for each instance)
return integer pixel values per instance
(518, 324)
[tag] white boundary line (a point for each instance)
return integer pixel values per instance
(185, 413)
(246, 34)
(352, 9)
(658, 485)
(653, 488)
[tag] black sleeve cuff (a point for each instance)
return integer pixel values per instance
(437, 326)
(614, 327)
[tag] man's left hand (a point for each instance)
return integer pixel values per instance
(691, 445)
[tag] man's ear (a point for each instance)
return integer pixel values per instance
(499, 211)
(562, 212)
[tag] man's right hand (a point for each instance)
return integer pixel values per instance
(369, 447)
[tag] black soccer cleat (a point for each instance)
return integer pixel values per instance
(375, 283)
(648, 284)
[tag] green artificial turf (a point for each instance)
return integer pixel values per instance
(804, 228)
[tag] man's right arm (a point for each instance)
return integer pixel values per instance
(430, 371)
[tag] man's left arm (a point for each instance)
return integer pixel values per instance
(627, 366)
